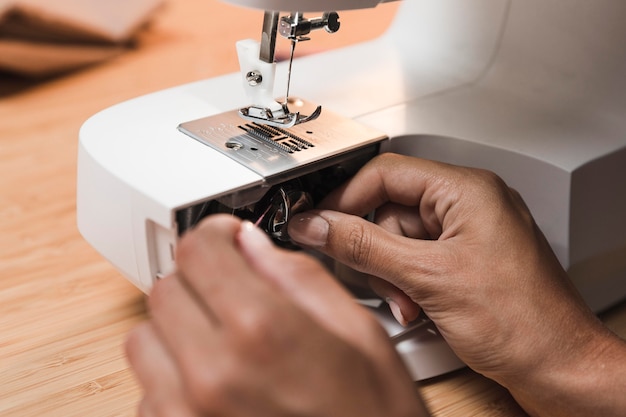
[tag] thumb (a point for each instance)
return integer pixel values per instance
(349, 239)
(368, 248)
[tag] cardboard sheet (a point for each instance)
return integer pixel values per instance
(42, 37)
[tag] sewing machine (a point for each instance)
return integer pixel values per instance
(531, 89)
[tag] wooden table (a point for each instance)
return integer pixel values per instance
(64, 311)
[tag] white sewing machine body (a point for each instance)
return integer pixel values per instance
(531, 89)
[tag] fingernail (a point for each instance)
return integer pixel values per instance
(309, 230)
(253, 235)
(397, 313)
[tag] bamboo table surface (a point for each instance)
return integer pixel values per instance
(64, 311)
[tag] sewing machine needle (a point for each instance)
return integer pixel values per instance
(293, 48)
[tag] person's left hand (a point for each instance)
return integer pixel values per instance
(243, 328)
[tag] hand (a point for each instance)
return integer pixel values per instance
(461, 245)
(246, 329)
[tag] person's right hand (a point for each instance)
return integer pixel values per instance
(463, 246)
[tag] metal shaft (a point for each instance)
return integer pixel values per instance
(268, 37)
(293, 48)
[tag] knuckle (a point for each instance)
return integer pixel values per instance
(490, 176)
(254, 327)
(387, 158)
(488, 180)
(205, 389)
(358, 245)
(216, 385)
(506, 199)
(262, 335)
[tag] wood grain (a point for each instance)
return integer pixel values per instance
(64, 311)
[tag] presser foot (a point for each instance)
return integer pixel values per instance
(285, 120)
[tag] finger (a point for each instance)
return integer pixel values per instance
(184, 324)
(214, 269)
(404, 221)
(368, 248)
(387, 177)
(304, 281)
(401, 220)
(157, 374)
(432, 187)
(338, 245)
(403, 308)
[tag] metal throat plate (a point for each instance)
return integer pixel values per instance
(271, 151)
